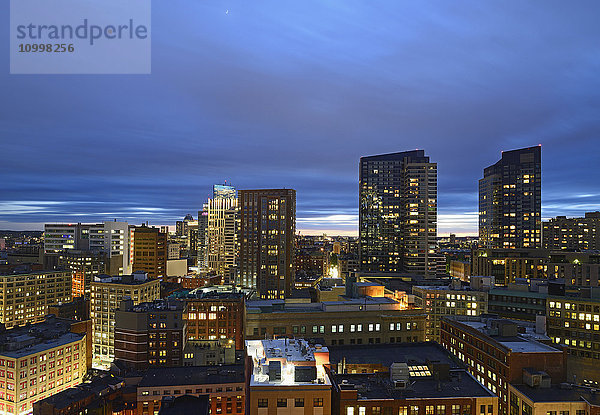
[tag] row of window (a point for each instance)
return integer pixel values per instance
(283, 402)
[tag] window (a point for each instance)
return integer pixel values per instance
(318, 402)
(441, 409)
(349, 410)
(429, 410)
(455, 409)
(414, 410)
(299, 402)
(263, 403)
(362, 410)
(403, 410)
(376, 410)
(281, 402)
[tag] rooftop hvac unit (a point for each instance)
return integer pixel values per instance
(399, 372)
(305, 373)
(274, 371)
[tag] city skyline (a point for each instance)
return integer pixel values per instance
(307, 90)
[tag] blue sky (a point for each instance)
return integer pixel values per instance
(291, 94)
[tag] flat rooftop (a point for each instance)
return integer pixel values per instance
(386, 354)
(379, 386)
(198, 375)
(348, 304)
(522, 343)
(560, 393)
(288, 355)
(22, 341)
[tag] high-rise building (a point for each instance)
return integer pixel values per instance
(266, 238)
(510, 200)
(113, 238)
(149, 251)
(221, 248)
(24, 298)
(572, 233)
(106, 295)
(398, 213)
(202, 237)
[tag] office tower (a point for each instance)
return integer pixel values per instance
(510, 200)
(222, 227)
(572, 233)
(24, 298)
(267, 228)
(39, 361)
(149, 334)
(109, 237)
(149, 251)
(202, 237)
(398, 213)
(106, 295)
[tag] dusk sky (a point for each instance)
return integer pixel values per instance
(291, 94)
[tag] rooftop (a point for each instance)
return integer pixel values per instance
(200, 375)
(286, 362)
(77, 393)
(348, 304)
(459, 384)
(34, 338)
(526, 342)
(386, 354)
(137, 278)
(560, 393)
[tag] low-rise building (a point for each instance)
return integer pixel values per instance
(25, 297)
(287, 376)
(559, 399)
(517, 302)
(495, 352)
(225, 385)
(351, 321)
(38, 361)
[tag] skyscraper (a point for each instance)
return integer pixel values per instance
(510, 200)
(398, 213)
(221, 232)
(266, 239)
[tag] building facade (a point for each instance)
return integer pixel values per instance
(572, 233)
(25, 298)
(150, 251)
(510, 201)
(496, 354)
(150, 334)
(37, 362)
(225, 385)
(266, 240)
(212, 315)
(443, 301)
(398, 213)
(221, 232)
(106, 295)
(356, 321)
(574, 323)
